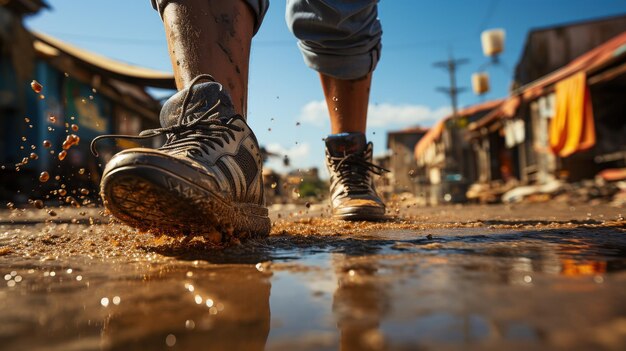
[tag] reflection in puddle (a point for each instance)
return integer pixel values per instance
(387, 290)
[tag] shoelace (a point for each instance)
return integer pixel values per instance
(200, 133)
(354, 171)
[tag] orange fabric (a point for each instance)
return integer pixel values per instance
(572, 128)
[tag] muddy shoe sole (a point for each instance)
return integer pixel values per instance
(152, 198)
(360, 213)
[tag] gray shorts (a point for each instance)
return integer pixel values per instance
(336, 38)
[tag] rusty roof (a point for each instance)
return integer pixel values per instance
(125, 72)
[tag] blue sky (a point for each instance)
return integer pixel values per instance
(284, 91)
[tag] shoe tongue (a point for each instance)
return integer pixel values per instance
(345, 143)
(203, 97)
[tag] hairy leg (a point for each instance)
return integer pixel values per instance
(211, 37)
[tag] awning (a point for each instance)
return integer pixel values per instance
(435, 132)
(507, 109)
(611, 51)
(50, 46)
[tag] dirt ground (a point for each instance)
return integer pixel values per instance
(529, 276)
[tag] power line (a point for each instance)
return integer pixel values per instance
(488, 15)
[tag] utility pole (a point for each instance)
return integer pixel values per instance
(453, 91)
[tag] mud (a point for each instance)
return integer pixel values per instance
(547, 276)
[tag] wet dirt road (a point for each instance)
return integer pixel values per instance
(474, 277)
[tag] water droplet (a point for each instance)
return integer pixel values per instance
(18, 279)
(62, 155)
(274, 185)
(190, 324)
(52, 214)
(26, 119)
(52, 119)
(86, 192)
(117, 300)
(11, 283)
(33, 156)
(42, 96)
(528, 279)
(44, 176)
(36, 86)
(198, 299)
(38, 204)
(209, 303)
(79, 277)
(335, 99)
(81, 171)
(74, 127)
(104, 301)
(47, 144)
(170, 340)
(335, 109)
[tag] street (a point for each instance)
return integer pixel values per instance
(517, 277)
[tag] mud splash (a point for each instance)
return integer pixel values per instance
(317, 284)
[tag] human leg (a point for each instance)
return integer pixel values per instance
(341, 41)
(211, 37)
(347, 101)
(206, 178)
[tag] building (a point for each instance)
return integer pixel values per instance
(548, 49)
(566, 126)
(401, 163)
(445, 161)
(82, 94)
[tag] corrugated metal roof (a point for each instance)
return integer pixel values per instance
(47, 45)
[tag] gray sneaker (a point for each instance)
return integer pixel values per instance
(352, 192)
(205, 178)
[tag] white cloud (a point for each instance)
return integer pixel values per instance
(404, 115)
(315, 113)
(299, 156)
(379, 115)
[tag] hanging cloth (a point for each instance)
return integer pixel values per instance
(572, 128)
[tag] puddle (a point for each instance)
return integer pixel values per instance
(397, 289)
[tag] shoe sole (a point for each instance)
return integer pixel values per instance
(364, 213)
(154, 199)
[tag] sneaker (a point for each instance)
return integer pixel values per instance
(206, 178)
(352, 192)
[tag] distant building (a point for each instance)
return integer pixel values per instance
(565, 126)
(401, 163)
(95, 94)
(446, 164)
(548, 49)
